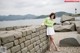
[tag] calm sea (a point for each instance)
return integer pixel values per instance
(26, 22)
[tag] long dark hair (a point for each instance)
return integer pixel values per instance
(52, 14)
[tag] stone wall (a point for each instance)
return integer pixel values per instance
(31, 39)
(11, 28)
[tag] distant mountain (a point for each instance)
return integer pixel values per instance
(29, 16)
(42, 16)
(17, 17)
(59, 14)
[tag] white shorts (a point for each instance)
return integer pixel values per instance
(50, 31)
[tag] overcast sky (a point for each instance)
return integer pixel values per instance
(36, 7)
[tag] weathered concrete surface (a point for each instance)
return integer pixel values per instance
(66, 50)
(62, 35)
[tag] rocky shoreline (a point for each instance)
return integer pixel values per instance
(68, 23)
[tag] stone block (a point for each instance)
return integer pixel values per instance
(33, 40)
(28, 37)
(23, 31)
(35, 43)
(37, 48)
(15, 49)
(8, 45)
(7, 37)
(30, 47)
(39, 51)
(38, 42)
(24, 50)
(32, 51)
(33, 35)
(27, 43)
(8, 51)
(67, 18)
(9, 28)
(18, 52)
(16, 42)
(22, 40)
(22, 45)
(2, 29)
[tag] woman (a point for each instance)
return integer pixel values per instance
(49, 23)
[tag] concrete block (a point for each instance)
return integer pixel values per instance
(8, 45)
(22, 40)
(9, 28)
(15, 49)
(2, 29)
(18, 52)
(16, 42)
(41, 45)
(32, 51)
(17, 34)
(27, 43)
(30, 47)
(41, 31)
(24, 50)
(35, 43)
(33, 40)
(8, 37)
(39, 51)
(29, 31)
(38, 42)
(37, 33)
(33, 35)
(37, 38)
(37, 48)
(28, 37)
(23, 30)
(8, 51)
(22, 45)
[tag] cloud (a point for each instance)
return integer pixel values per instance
(36, 7)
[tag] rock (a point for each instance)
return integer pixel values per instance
(67, 18)
(77, 24)
(0, 42)
(78, 30)
(57, 23)
(66, 23)
(6, 37)
(78, 38)
(68, 42)
(15, 49)
(62, 35)
(64, 28)
(9, 28)
(2, 29)
(57, 28)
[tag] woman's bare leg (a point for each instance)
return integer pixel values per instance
(51, 38)
(49, 44)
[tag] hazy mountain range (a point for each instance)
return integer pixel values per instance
(29, 16)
